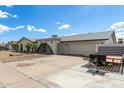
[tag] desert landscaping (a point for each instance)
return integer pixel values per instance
(8, 56)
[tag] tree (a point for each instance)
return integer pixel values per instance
(38, 46)
(28, 47)
(34, 47)
(14, 46)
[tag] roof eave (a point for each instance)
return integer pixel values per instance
(83, 40)
(26, 39)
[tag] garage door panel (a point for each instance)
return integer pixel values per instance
(79, 48)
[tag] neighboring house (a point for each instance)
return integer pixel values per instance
(23, 42)
(3, 44)
(82, 44)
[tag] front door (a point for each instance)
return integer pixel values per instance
(44, 48)
(21, 47)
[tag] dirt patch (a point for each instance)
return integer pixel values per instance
(24, 64)
(16, 56)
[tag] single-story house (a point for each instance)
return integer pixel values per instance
(23, 42)
(82, 44)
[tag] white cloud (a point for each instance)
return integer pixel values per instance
(4, 28)
(40, 30)
(18, 27)
(120, 34)
(32, 28)
(4, 14)
(117, 26)
(65, 26)
(14, 16)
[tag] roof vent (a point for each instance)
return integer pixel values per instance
(54, 36)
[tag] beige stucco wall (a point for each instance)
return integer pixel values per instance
(24, 42)
(79, 48)
(83, 47)
(110, 41)
(53, 44)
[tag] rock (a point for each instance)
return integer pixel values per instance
(11, 55)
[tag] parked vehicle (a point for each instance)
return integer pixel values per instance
(108, 58)
(3, 48)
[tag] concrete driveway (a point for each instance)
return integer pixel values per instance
(54, 71)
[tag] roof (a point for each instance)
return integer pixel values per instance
(47, 39)
(89, 36)
(80, 37)
(30, 39)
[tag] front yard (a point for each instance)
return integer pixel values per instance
(48, 71)
(7, 56)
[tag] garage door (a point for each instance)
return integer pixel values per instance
(80, 48)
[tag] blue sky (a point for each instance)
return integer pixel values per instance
(43, 21)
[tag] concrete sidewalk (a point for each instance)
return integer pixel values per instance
(10, 77)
